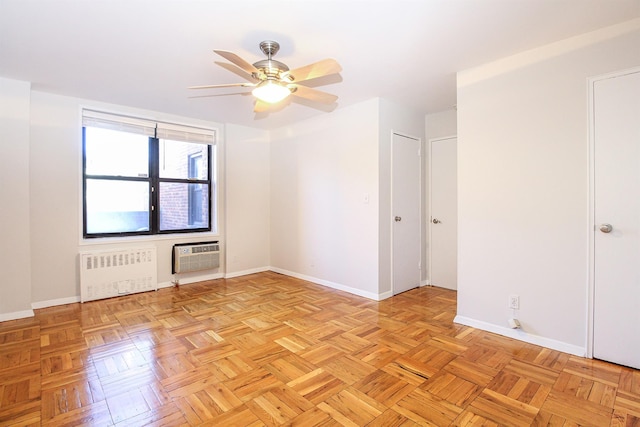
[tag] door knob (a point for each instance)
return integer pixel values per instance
(606, 228)
(398, 218)
(436, 221)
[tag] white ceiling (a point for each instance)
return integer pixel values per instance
(144, 53)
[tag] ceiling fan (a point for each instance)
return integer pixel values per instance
(273, 81)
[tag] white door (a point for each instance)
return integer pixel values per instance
(616, 308)
(443, 225)
(405, 203)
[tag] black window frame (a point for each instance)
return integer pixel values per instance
(193, 195)
(154, 180)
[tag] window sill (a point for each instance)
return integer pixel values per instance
(147, 239)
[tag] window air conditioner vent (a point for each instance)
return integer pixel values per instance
(188, 257)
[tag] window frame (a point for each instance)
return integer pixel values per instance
(154, 180)
(155, 195)
(193, 161)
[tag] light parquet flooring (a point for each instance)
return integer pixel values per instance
(267, 350)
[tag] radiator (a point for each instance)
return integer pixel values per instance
(109, 273)
(189, 257)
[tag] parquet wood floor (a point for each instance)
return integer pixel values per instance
(268, 349)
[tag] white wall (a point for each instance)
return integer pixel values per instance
(321, 170)
(55, 161)
(15, 260)
(523, 186)
(247, 200)
(441, 124)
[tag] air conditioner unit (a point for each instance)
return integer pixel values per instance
(188, 257)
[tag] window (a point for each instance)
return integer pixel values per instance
(142, 177)
(196, 192)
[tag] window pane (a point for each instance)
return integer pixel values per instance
(110, 152)
(183, 160)
(117, 206)
(183, 206)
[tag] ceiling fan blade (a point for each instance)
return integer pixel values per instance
(261, 106)
(223, 85)
(232, 57)
(237, 71)
(315, 70)
(314, 94)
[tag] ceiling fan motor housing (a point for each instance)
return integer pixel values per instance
(269, 48)
(269, 68)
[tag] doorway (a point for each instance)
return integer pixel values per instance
(615, 127)
(405, 211)
(443, 206)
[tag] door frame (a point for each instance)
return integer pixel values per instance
(420, 206)
(591, 288)
(430, 209)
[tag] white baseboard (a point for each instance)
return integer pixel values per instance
(384, 295)
(333, 285)
(166, 284)
(521, 335)
(192, 279)
(54, 302)
(245, 272)
(71, 300)
(16, 315)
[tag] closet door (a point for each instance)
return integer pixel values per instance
(405, 196)
(443, 226)
(616, 309)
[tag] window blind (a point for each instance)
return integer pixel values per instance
(151, 128)
(117, 122)
(185, 133)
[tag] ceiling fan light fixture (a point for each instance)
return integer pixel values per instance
(271, 91)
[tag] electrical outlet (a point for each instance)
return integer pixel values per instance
(514, 302)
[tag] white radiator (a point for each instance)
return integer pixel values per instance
(195, 257)
(109, 273)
